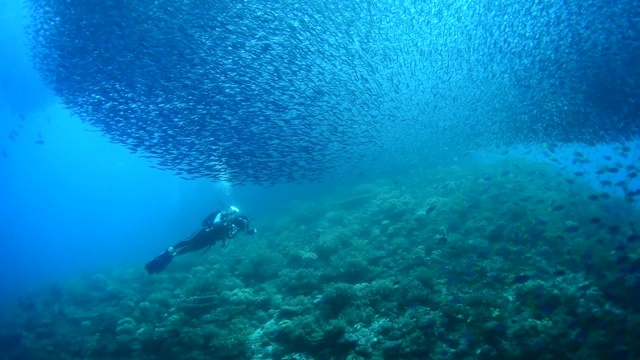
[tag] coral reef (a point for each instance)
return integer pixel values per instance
(467, 262)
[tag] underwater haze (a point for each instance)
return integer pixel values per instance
(76, 202)
(426, 180)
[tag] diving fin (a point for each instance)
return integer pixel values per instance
(160, 263)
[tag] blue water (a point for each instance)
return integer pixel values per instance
(78, 203)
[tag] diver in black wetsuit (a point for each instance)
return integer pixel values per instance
(218, 226)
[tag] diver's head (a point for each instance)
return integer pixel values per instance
(228, 214)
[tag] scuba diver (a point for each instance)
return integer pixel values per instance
(218, 226)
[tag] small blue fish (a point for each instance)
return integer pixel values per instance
(572, 229)
(547, 309)
(620, 353)
(622, 259)
(521, 279)
(614, 229)
(430, 209)
(39, 142)
(541, 222)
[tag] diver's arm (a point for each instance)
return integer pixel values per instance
(208, 221)
(241, 225)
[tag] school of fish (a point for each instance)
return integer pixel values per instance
(267, 92)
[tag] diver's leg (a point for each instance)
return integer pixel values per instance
(183, 250)
(194, 242)
(179, 248)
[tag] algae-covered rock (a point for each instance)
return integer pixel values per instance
(463, 266)
(126, 330)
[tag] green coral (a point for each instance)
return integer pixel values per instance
(384, 271)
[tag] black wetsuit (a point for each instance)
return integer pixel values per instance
(206, 236)
(228, 226)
